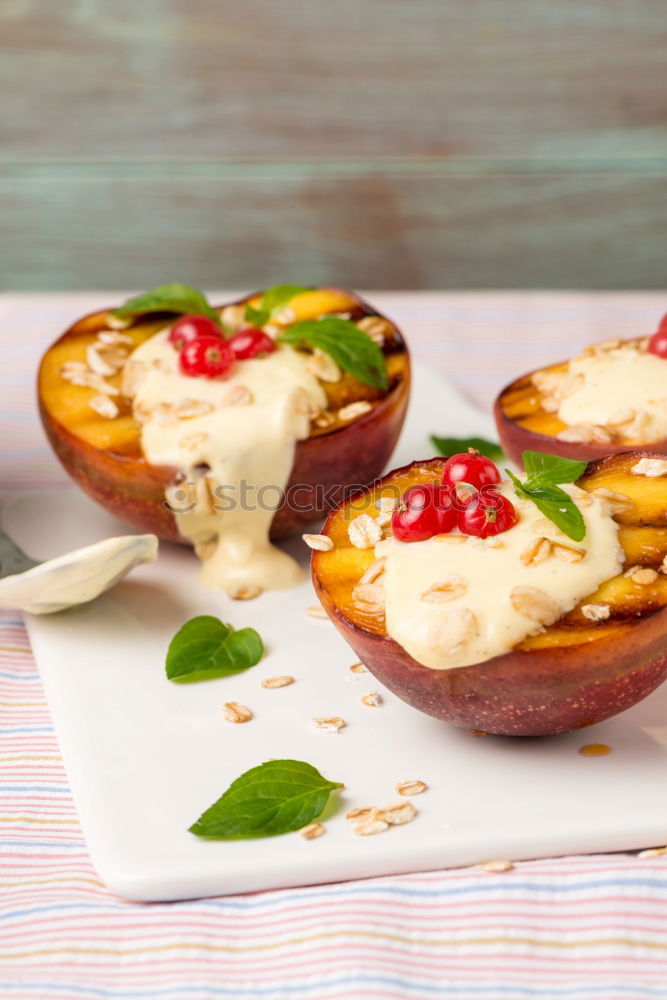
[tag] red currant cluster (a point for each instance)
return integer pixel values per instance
(204, 352)
(658, 342)
(466, 499)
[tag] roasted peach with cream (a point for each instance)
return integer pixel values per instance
(611, 398)
(527, 607)
(224, 426)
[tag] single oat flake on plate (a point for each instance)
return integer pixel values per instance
(414, 787)
(329, 724)
(372, 699)
(371, 826)
(313, 831)
(283, 680)
(497, 866)
(397, 815)
(361, 812)
(233, 711)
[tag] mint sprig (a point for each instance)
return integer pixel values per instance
(448, 446)
(277, 797)
(352, 349)
(172, 298)
(272, 301)
(205, 648)
(544, 474)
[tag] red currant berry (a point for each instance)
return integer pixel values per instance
(424, 511)
(189, 328)
(490, 514)
(658, 342)
(206, 357)
(249, 343)
(469, 470)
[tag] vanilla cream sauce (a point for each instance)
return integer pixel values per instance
(236, 458)
(481, 622)
(614, 381)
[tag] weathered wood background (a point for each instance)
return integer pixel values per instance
(376, 143)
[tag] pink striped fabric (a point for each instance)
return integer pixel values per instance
(578, 927)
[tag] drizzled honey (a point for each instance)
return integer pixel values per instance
(595, 750)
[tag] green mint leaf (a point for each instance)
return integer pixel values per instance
(518, 485)
(255, 317)
(173, 298)
(552, 468)
(554, 503)
(271, 302)
(351, 348)
(560, 508)
(455, 446)
(206, 648)
(277, 797)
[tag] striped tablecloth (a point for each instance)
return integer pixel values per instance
(578, 927)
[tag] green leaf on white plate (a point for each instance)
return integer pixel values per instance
(205, 648)
(272, 301)
(352, 349)
(172, 298)
(277, 797)
(448, 446)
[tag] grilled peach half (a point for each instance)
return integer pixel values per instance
(104, 455)
(524, 425)
(574, 673)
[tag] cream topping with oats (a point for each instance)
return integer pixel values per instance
(623, 389)
(492, 599)
(234, 441)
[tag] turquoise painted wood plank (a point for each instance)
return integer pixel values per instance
(577, 230)
(289, 168)
(222, 79)
(378, 142)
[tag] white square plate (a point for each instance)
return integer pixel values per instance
(145, 757)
